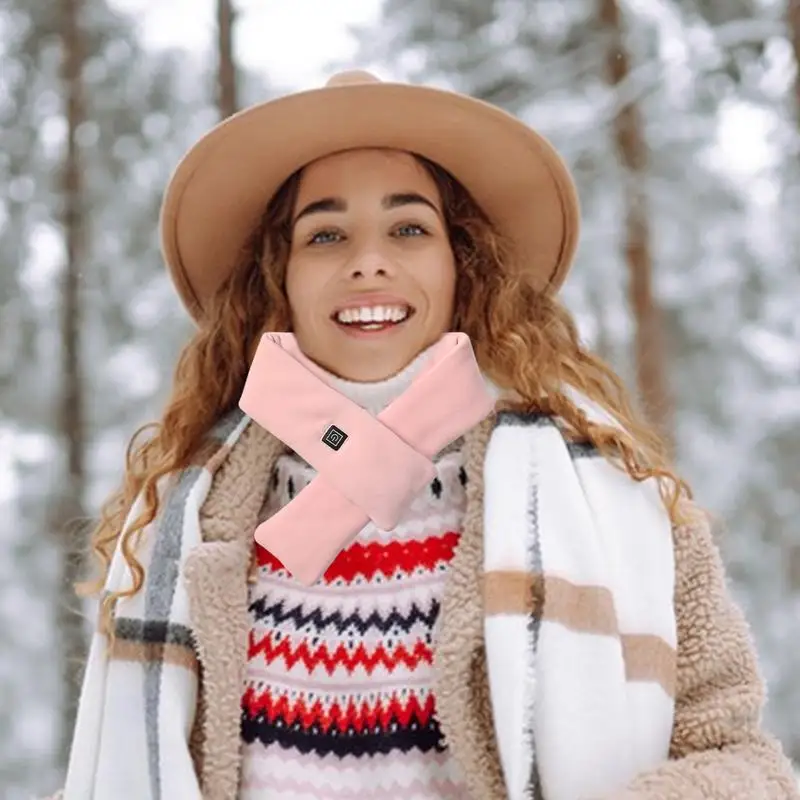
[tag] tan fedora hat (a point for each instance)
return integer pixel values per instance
(221, 187)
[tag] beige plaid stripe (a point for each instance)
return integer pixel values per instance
(148, 652)
(584, 609)
(150, 642)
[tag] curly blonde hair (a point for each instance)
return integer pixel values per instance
(524, 340)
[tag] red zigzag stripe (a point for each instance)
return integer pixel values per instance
(340, 657)
(376, 558)
(364, 716)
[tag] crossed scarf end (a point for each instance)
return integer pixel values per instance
(305, 568)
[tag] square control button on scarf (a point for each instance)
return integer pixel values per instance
(369, 468)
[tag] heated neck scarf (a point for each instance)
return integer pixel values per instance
(369, 468)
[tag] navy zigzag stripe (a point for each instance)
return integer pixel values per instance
(382, 739)
(275, 614)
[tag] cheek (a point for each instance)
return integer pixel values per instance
(440, 278)
(300, 289)
(291, 286)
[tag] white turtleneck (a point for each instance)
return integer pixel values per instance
(374, 396)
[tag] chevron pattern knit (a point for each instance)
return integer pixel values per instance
(338, 700)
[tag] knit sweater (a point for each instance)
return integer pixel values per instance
(338, 701)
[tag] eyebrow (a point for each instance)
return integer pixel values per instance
(389, 202)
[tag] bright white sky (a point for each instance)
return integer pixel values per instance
(291, 42)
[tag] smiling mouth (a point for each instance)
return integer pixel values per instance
(373, 319)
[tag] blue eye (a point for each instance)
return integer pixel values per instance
(325, 237)
(412, 229)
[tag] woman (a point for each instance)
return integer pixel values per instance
(512, 598)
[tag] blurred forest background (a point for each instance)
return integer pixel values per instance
(681, 121)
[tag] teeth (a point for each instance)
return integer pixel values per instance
(367, 314)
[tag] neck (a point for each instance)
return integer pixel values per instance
(375, 396)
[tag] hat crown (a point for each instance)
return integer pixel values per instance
(351, 78)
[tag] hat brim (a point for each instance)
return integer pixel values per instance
(221, 187)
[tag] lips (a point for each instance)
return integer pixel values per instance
(369, 330)
(372, 324)
(368, 315)
(371, 300)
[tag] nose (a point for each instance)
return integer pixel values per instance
(370, 264)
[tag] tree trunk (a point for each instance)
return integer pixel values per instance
(68, 511)
(603, 345)
(227, 100)
(793, 23)
(650, 355)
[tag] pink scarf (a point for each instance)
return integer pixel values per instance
(369, 468)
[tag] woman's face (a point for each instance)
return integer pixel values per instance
(371, 275)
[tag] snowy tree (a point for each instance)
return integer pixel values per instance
(69, 492)
(227, 70)
(79, 195)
